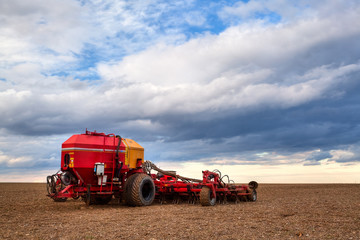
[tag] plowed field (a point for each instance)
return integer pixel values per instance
(315, 211)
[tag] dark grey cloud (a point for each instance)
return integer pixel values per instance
(318, 156)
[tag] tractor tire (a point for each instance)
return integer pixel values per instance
(205, 197)
(140, 190)
(128, 185)
(253, 196)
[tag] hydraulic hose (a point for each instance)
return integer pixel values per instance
(149, 165)
(118, 169)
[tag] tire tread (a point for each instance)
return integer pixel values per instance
(133, 191)
(205, 197)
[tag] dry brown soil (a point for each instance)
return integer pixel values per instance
(281, 212)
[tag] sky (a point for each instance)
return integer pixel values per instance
(264, 90)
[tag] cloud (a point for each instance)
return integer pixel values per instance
(14, 162)
(245, 79)
(315, 157)
(319, 155)
(36, 32)
(30, 153)
(243, 70)
(349, 154)
(283, 10)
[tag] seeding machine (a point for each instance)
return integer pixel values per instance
(97, 167)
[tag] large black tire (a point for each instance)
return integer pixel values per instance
(253, 196)
(128, 187)
(139, 190)
(205, 197)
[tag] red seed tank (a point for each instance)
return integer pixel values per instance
(82, 152)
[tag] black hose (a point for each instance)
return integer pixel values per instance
(118, 169)
(51, 183)
(118, 147)
(217, 171)
(227, 178)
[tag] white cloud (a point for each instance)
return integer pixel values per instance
(288, 11)
(241, 68)
(55, 25)
(195, 18)
(10, 161)
(202, 60)
(244, 9)
(233, 70)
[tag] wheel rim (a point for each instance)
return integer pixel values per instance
(254, 196)
(212, 199)
(147, 191)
